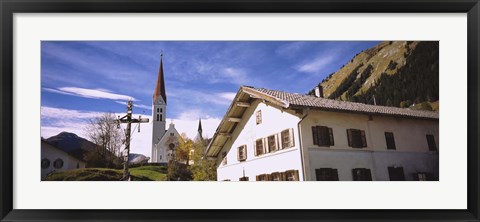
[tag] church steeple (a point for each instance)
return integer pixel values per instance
(199, 136)
(200, 126)
(160, 86)
(159, 116)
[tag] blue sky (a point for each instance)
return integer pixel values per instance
(81, 79)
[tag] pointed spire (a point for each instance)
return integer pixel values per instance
(199, 136)
(200, 126)
(160, 86)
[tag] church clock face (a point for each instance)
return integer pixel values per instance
(171, 146)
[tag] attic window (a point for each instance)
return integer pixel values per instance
(259, 116)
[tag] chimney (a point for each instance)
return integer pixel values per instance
(319, 91)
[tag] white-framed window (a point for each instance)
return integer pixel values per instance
(259, 147)
(356, 138)
(432, 146)
(272, 143)
(258, 115)
(287, 138)
(224, 161)
(291, 175)
(242, 153)
(322, 136)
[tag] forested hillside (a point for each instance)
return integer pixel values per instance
(392, 74)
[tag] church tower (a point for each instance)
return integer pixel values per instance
(159, 105)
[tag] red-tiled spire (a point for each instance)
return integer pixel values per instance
(160, 86)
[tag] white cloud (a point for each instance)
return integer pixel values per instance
(238, 76)
(136, 105)
(199, 97)
(59, 113)
(227, 95)
(316, 64)
(90, 93)
(290, 49)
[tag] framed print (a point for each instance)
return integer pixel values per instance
(269, 110)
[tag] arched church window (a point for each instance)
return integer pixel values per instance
(58, 163)
(161, 110)
(45, 163)
(157, 117)
(161, 118)
(158, 110)
(171, 146)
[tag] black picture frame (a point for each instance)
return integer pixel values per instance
(9, 7)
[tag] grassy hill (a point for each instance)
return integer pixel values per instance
(143, 173)
(395, 73)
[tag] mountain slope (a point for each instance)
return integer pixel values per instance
(71, 143)
(395, 73)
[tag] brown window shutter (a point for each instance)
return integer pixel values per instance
(334, 174)
(349, 136)
(368, 174)
(268, 177)
(354, 174)
(364, 139)
(255, 148)
(238, 153)
(295, 173)
(244, 152)
(432, 146)
(283, 177)
(314, 135)
(292, 140)
(257, 178)
(330, 133)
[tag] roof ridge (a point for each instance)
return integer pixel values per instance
(297, 99)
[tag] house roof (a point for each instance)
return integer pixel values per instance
(286, 100)
(160, 85)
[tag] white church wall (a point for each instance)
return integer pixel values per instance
(247, 132)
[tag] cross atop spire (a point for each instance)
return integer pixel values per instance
(160, 86)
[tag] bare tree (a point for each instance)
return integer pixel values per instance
(105, 133)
